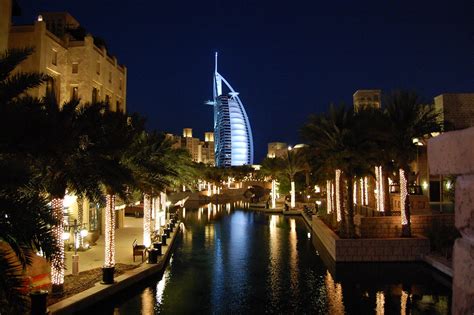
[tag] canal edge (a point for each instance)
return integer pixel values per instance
(98, 292)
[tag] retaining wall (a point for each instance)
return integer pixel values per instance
(389, 227)
(370, 249)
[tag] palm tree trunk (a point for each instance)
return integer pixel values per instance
(293, 197)
(328, 197)
(109, 260)
(340, 213)
(57, 265)
(273, 194)
(350, 207)
(146, 220)
(404, 204)
(386, 191)
(80, 216)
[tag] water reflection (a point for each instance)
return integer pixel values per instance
(234, 261)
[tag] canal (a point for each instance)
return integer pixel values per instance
(231, 260)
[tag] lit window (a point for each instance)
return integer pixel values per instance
(75, 67)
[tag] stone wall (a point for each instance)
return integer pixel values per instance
(388, 227)
(369, 250)
(453, 153)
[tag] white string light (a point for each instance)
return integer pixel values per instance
(381, 191)
(273, 194)
(354, 193)
(338, 196)
(403, 196)
(109, 231)
(366, 191)
(328, 196)
(57, 273)
(293, 199)
(146, 220)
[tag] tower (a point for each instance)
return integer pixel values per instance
(232, 132)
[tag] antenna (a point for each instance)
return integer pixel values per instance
(215, 64)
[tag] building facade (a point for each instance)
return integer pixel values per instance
(232, 131)
(277, 149)
(367, 99)
(200, 151)
(78, 64)
(456, 109)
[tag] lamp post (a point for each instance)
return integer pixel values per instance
(78, 233)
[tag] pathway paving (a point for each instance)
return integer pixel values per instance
(124, 237)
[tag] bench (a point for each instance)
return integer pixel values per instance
(138, 250)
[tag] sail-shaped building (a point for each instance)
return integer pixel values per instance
(233, 143)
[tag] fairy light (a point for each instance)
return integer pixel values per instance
(209, 192)
(354, 193)
(293, 199)
(338, 196)
(57, 271)
(366, 191)
(328, 196)
(146, 220)
(109, 231)
(381, 191)
(403, 196)
(377, 189)
(361, 191)
(403, 303)
(379, 303)
(273, 194)
(157, 212)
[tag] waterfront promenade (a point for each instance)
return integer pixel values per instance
(124, 237)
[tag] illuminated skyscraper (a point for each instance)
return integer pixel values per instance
(232, 132)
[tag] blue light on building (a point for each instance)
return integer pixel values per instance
(232, 133)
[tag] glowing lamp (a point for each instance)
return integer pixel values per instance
(66, 236)
(84, 232)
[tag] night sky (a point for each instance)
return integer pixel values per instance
(286, 58)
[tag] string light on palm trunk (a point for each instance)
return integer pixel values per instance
(146, 220)
(366, 191)
(403, 196)
(57, 270)
(109, 231)
(381, 189)
(328, 196)
(338, 196)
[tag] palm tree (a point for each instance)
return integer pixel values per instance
(25, 217)
(339, 138)
(271, 168)
(409, 119)
(293, 163)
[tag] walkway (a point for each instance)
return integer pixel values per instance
(124, 237)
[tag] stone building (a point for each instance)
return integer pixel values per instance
(79, 64)
(367, 98)
(277, 149)
(457, 110)
(201, 151)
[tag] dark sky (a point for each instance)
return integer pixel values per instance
(286, 58)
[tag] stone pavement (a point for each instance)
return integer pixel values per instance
(124, 237)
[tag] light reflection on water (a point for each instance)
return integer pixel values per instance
(234, 261)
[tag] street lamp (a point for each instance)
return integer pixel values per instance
(79, 232)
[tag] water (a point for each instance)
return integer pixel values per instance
(237, 261)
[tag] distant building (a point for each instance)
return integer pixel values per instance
(201, 151)
(367, 99)
(79, 64)
(232, 132)
(457, 109)
(276, 149)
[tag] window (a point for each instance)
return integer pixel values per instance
(120, 84)
(75, 67)
(74, 93)
(119, 107)
(98, 68)
(110, 77)
(54, 59)
(107, 99)
(95, 95)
